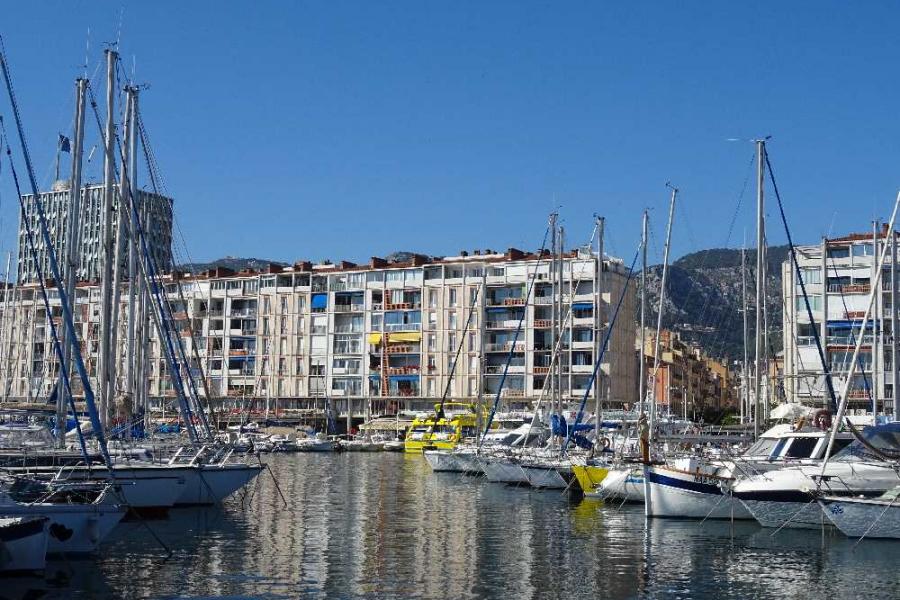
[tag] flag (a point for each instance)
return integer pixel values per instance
(64, 145)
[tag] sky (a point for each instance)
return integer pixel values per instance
(345, 130)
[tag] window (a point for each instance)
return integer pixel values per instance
(432, 345)
(838, 252)
(432, 298)
(451, 320)
(234, 285)
(451, 342)
(452, 299)
(432, 320)
(374, 276)
(802, 447)
(394, 276)
(810, 276)
(863, 250)
(472, 347)
(218, 285)
(815, 303)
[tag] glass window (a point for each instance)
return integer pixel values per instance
(839, 252)
(810, 276)
(815, 303)
(863, 250)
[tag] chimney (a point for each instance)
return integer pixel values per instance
(476, 252)
(377, 263)
(514, 254)
(303, 265)
(419, 259)
(345, 264)
(463, 253)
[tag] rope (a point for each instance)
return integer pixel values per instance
(825, 367)
(512, 348)
(603, 347)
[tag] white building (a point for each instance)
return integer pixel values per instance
(373, 338)
(838, 275)
(156, 216)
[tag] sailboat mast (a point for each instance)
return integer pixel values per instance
(642, 367)
(71, 253)
(559, 316)
(554, 290)
(745, 383)
(103, 360)
(131, 326)
(662, 300)
(760, 281)
(598, 300)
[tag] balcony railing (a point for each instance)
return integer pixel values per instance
(403, 327)
(849, 288)
(402, 305)
(348, 307)
(504, 347)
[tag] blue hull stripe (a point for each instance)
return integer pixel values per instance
(692, 486)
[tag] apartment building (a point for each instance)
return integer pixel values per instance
(156, 211)
(838, 274)
(371, 339)
(688, 383)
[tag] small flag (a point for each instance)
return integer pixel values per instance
(64, 145)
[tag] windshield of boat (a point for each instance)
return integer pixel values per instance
(762, 447)
(885, 438)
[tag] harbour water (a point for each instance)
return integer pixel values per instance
(384, 526)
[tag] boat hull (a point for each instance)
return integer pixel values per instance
(23, 544)
(72, 528)
(442, 461)
(621, 484)
(546, 477)
(501, 470)
(678, 494)
(589, 476)
(211, 484)
(858, 517)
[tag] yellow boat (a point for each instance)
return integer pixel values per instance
(589, 476)
(429, 431)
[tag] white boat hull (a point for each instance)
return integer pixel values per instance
(673, 493)
(858, 517)
(621, 484)
(501, 470)
(544, 477)
(442, 461)
(211, 484)
(469, 463)
(23, 544)
(73, 528)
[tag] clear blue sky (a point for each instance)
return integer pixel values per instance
(291, 130)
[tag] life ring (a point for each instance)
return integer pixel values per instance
(822, 419)
(605, 443)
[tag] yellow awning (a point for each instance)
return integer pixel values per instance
(375, 338)
(405, 336)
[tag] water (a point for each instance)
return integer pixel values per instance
(384, 526)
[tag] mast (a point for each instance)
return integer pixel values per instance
(598, 300)
(131, 353)
(642, 368)
(118, 255)
(71, 253)
(6, 321)
(662, 299)
(554, 316)
(559, 316)
(876, 325)
(760, 281)
(894, 340)
(479, 417)
(745, 382)
(103, 360)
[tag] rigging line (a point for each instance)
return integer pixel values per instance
(154, 177)
(459, 347)
(29, 234)
(852, 340)
(827, 370)
(54, 265)
(512, 347)
(165, 320)
(722, 309)
(603, 347)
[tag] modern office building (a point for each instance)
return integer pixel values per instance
(838, 276)
(372, 339)
(157, 219)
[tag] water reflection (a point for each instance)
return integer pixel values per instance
(383, 526)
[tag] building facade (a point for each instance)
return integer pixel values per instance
(838, 276)
(372, 339)
(156, 217)
(688, 383)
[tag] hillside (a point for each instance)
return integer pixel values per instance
(704, 298)
(229, 262)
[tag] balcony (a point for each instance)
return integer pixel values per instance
(400, 349)
(543, 323)
(849, 288)
(402, 327)
(506, 324)
(349, 307)
(505, 347)
(402, 306)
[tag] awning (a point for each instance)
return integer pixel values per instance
(403, 377)
(319, 301)
(498, 308)
(847, 324)
(582, 305)
(375, 338)
(405, 336)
